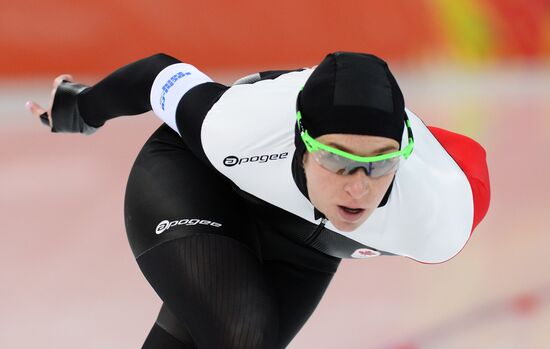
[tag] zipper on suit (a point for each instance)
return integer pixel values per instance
(317, 231)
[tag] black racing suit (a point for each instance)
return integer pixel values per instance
(232, 270)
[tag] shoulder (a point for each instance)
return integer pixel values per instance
(470, 156)
(264, 75)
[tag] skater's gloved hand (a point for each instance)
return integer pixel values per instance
(62, 114)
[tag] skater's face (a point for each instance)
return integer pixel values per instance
(348, 200)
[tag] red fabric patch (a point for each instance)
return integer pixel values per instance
(471, 158)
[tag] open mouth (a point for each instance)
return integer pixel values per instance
(350, 214)
(352, 210)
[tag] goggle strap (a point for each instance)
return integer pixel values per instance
(312, 145)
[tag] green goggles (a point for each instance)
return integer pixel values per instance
(341, 162)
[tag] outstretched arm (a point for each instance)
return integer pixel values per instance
(124, 92)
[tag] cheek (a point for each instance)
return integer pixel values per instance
(382, 184)
(318, 176)
(320, 182)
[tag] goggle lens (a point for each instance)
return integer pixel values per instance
(341, 165)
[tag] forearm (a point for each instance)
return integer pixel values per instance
(126, 91)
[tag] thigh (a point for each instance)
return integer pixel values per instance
(299, 276)
(298, 292)
(195, 244)
(171, 194)
(216, 289)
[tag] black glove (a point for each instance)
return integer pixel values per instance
(65, 114)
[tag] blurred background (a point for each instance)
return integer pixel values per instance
(477, 67)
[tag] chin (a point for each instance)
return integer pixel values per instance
(346, 227)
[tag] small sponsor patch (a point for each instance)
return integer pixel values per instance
(365, 253)
(168, 85)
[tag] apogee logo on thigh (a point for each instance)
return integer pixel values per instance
(165, 224)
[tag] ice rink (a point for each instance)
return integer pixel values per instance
(69, 279)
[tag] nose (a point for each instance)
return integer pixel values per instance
(357, 184)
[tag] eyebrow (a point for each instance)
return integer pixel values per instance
(378, 151)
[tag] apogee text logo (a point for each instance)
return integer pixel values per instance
(232, 160)
(168, 85)
(166, 224)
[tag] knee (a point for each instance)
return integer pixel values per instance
(250, 332)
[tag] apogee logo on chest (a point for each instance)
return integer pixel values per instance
(232, 160)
